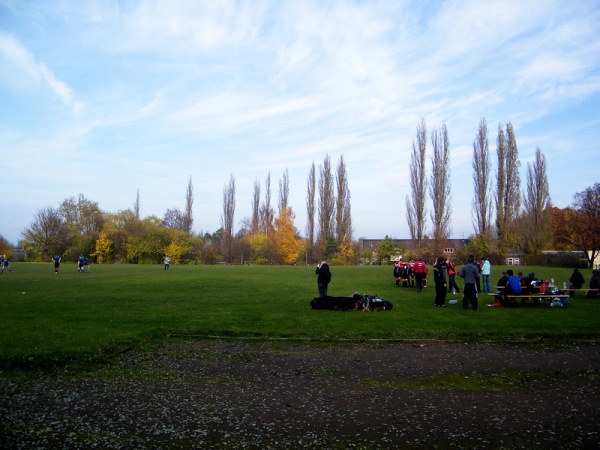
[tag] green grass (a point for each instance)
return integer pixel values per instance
(49, 320)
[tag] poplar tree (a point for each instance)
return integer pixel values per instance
(536, 202)
(326, 207)
(311, 186)
(415, 209)
(439, 188)
(189, 203)
(508, 187)
(227, 218)
(482, 205)
(343, 219)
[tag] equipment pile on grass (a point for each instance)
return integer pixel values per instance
(357, 302)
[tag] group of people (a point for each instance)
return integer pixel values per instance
(414, 273)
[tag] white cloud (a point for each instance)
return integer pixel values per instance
(16, 55)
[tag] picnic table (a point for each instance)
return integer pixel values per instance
(535, 297)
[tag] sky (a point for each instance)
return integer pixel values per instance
(111, 98)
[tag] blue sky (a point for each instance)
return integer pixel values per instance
(103, 98)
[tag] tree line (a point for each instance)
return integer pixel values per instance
(504, 218)
(525, 222)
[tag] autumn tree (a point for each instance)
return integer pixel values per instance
(227, 218)
(103, 248)
(415, 208)
(289, 244)
(482, 205)
(561, 229)
(47, 236)
(148, 246)
(508, 187)
(536, 232)
(174, 219)
(119, 227)
(439, 188)
(585, 222)
(84, 220)
(5, 247)
(326, 209)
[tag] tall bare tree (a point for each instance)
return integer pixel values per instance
(136, 205)
(255, 225)
(326, 206)
(343, 219)
(536, 202)
(415, 209)
(311, 187)
(189, 203)
(227, 218)
(482, 204)
(284, 191)
(266, 211)
(439, 188)
(508, 186)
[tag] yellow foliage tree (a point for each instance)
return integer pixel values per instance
(346, 251)
(289, 245)
(103, 248)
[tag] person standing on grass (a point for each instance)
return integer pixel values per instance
(470, 273)
(486, 271)
(323, 278)
(420, 273)
(56, 260)
(167, 262)
(452, 277)
(439, 279)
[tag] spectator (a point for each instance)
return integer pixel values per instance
(439, 279)
(470, 273)
(452, 277)
(501, 284)
(594, 284)
(486, 271)
(323, 278)
(576, 281)
(513, 287)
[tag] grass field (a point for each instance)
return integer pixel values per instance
(49, 320)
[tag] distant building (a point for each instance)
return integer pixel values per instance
(454, 247)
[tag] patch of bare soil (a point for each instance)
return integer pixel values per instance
(278, 395)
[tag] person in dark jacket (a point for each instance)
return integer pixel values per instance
(323, 278)
(576, 281)
(594, 284)
(470, 273)
(439, 279)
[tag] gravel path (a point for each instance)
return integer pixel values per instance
(281, 395)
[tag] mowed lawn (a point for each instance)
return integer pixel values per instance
(51, 319)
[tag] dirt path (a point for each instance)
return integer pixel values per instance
(277, 395)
